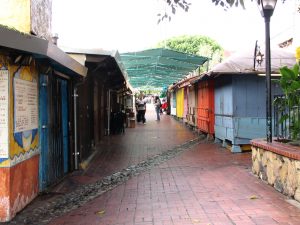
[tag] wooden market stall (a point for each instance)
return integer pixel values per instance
(180, 102)
(205, 106)
(190, 96)
(192, 107)
(173, 102)
(185, 103)
(240, 97)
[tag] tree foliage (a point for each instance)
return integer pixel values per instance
(226, 4)
(185, 5)
(173, 5)
(190, 44)
(229, 3)
(196, 45)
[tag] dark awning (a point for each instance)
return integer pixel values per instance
(41, 49)
(108, 62)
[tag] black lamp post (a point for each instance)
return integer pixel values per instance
(266, 8)
(259, 58)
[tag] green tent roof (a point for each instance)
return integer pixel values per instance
(159, 67)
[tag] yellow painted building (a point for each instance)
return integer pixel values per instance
(179, 102)
(16, 14)
(28, 16)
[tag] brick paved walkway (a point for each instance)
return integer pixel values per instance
(120, 151)
(116, 153)
(205, 185)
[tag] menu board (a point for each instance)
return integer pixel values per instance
(4, 103)
(26, 105)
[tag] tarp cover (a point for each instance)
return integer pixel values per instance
(159, 67)
(243, 62)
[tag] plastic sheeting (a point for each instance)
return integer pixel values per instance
(159, 67)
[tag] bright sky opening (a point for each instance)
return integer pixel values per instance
(131, 25)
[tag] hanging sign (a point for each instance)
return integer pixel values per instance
(4, 105)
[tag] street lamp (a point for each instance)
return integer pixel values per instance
(266, 8)
(259, 58)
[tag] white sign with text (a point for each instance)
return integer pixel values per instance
(4, 105)
(26, 105)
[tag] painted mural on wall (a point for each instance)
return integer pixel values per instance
(18, 113)
(25, 125)
(4, 105)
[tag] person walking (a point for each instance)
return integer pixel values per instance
(141, 109)
(157, 105)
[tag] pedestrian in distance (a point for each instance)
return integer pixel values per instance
(164, 105)
(157, 105)
(141, 109)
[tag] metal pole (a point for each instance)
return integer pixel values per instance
(268, 81)
(76, 153)
(108, 113)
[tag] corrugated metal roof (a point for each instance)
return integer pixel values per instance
(242, 62)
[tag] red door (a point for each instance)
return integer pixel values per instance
(205, 110)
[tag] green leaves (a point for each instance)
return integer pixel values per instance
(185, 5)
(196, 45)
(289, 80)
(190, 44)
(226, 4)
(173, 6)
(283, 118)
(290, 84)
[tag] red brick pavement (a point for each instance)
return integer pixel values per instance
(117, 152)
(205, 185)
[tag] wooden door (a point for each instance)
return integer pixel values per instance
(205, 110)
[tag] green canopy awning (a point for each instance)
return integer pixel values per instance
(159, 67)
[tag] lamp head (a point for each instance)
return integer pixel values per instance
(266, 7)
(259, 58)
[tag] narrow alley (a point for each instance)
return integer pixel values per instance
(185, 179)
(76, 148)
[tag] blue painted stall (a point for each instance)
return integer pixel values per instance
(240, 98)
(240, 109)
(53, 130)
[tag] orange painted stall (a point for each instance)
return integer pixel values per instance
(205, 107)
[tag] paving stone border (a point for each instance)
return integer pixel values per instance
(83, 194)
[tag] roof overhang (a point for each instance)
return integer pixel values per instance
(41, 49)
(109, 61)
(241, 64)
(188, 81)
(244, 63)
